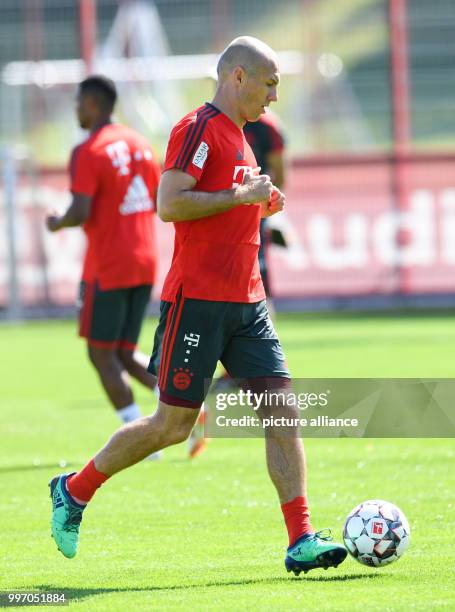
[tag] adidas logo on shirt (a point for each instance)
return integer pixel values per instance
(137, 198)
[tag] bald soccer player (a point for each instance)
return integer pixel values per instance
(213, 304)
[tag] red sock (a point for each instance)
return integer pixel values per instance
(297, 518)
(84, 484)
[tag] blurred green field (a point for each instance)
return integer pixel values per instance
(208, 534)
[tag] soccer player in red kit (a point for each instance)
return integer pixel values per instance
(213, 303)
(114, 181)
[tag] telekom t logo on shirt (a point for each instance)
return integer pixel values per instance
(120, 156)
(239, 174)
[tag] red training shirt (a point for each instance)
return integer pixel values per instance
(115, 166)
(215, 258)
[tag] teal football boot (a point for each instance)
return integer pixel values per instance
(314, 550)
(66, 517)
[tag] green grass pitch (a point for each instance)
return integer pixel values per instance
(208, 534)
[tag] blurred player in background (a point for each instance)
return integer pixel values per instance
(114, 182)
(213, 305)
(265, 137)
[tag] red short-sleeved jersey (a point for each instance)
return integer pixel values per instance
(215, 258)
(117, 169)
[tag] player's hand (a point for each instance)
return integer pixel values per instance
(274, 204)
(53, 223)
(256, 188)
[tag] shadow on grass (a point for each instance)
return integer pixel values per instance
(77, 594)
(6, 469)
(342, 578)
(30, 467)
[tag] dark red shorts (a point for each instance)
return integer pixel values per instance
(113, 318)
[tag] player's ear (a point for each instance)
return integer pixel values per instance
(239, 75)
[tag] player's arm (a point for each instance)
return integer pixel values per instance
(177, 201)
(77, 214)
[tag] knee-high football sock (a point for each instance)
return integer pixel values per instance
(83, 485)
(297, 518)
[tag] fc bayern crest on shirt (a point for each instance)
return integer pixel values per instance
(201, 155)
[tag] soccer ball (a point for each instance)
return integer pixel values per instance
(376, 533)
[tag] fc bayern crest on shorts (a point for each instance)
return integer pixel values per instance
(182, 378)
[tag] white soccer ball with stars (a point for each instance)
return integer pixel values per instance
(376, 533)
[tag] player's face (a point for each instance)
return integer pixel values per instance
(84, 111)
(259, 91)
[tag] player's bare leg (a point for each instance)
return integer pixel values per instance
(113, 376)
(285, 453)
(286, 465)
(197, 442)
(167, 426)
(133, 442)
(136, 363)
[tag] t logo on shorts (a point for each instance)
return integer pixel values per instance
(192, 339)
